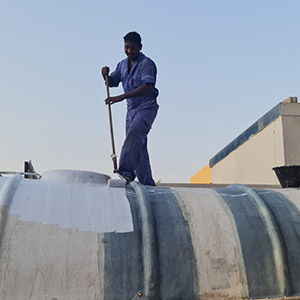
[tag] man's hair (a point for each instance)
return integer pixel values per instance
(133, 37)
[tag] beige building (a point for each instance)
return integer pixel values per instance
(273, 140)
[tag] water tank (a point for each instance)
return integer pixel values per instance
(68, 236)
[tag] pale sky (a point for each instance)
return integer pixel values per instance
(221, 64)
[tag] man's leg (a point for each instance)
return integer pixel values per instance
(135, 143)
(143, 168)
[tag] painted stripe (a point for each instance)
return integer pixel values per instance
(260, 124)
(261, 242)
(157, 258)
(217, 248)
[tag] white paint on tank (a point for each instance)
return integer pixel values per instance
(86, 202)
(217, 248)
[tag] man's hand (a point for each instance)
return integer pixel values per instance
(105, 71)
(112, 100)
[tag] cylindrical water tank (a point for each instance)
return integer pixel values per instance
(68, 236)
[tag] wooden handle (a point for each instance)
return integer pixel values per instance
(107, 85)
(114, 157)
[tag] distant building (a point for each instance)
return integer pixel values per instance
(273, 140)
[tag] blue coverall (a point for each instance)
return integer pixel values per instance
(141, 113)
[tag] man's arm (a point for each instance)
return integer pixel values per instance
(138, 92)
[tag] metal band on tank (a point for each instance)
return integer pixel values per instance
(261, 242)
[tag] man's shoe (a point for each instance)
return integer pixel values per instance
(128, 179)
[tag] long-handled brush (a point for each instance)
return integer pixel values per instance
(113, 182)
(113, 156)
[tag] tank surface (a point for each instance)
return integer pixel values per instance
(70, 236)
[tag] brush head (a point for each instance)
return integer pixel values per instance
(116, 183)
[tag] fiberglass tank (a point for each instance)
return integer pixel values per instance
(68, 236)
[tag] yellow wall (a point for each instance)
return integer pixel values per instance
(203, 176)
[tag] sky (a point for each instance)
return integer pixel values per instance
(222, 64)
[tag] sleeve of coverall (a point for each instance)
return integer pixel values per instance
(116, 76)
(148, 73)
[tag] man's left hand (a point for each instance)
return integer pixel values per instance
(112, 100)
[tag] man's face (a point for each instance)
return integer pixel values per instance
(132, 50)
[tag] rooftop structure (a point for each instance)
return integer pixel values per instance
(271, 141)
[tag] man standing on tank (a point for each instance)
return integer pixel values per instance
(138, 76)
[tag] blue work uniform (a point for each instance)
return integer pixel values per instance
(141, 112)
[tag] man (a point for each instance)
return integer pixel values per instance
(138, 76)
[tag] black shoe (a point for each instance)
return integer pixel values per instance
(128, 179)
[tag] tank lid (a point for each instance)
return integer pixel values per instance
(75, 176)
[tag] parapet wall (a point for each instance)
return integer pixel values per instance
(252, 162)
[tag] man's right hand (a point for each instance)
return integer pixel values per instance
(105, 71)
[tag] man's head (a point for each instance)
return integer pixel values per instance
(132, 45)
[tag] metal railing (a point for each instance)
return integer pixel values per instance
(25, 174)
